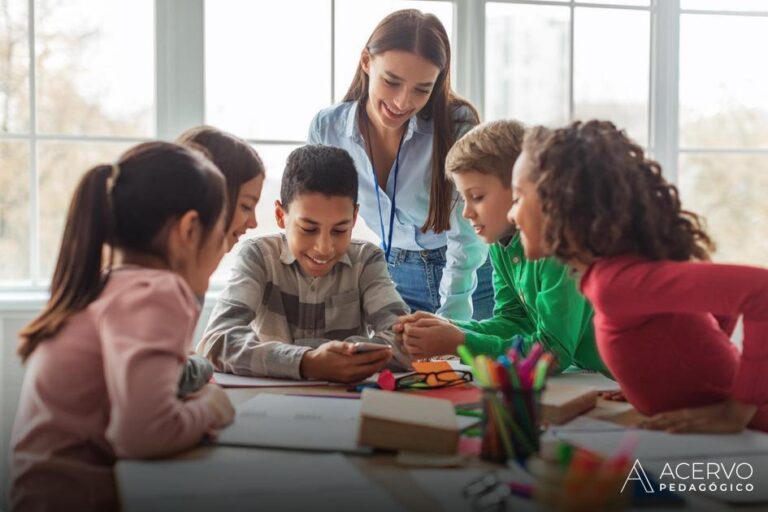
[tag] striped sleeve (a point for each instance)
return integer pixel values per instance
(381, 305)
(230, 342)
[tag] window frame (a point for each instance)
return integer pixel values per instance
(180, 85)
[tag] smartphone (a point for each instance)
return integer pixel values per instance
(362, 346)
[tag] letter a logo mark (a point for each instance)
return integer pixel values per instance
(638, 473)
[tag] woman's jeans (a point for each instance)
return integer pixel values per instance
(417, 277)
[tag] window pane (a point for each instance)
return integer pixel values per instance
(267, 66)
(729, 190)
(723, 101)
(274, 158)
(14, 67)
(611, 68)
(355, 21)
(527, 63)
(725, 5)
(14, 211)
(95, 67)
(61, 165)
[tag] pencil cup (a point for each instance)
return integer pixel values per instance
(511, 424)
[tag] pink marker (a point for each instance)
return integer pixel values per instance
(525, 369)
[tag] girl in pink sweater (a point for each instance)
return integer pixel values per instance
(663, 313)
(104, 357)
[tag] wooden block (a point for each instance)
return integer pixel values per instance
(400, 421)
(561, 403)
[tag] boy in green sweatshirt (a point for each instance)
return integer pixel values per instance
(537, 300)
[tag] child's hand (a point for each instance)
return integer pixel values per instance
(613, 396)
(399, 327)
(215, 397)
(334, 361)
(413, 317)
(430, 336)
(725, 417)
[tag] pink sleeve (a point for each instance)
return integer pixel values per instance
(693, 287)
(146, 333)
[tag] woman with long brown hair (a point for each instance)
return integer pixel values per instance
(398, 120)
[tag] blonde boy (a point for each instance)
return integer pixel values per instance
(537, 300)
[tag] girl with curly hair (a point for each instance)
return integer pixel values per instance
(588, 195)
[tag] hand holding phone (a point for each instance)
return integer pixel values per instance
(361, 346)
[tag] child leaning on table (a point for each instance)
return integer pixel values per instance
(537, 300)
(103, 358)
(587, 195)
(296, 300)
(244, 175)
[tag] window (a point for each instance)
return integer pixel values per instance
(547, 63)
(78, 89)
(724, 124)
(81, 81)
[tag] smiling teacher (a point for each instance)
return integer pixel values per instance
(398, 120)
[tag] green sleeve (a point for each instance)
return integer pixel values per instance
(492, 336)
(564, 318)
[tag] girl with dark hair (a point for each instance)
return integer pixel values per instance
(398, 120)
(589, 196)
(243, 170)
(244, 174)
(103, 358)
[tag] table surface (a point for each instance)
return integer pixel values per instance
(382, 469)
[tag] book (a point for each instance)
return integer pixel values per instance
(401, 421)
(561, 402)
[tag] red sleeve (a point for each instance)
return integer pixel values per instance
(146, 333)
(727, 323)
(726, 291)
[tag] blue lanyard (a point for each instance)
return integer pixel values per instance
(386, 242)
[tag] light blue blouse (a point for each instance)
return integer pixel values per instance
(465, 253)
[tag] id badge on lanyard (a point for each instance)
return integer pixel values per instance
(386, 240)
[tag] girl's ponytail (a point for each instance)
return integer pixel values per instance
(77, 279)
(125, 206)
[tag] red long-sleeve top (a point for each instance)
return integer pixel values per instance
(663, 329)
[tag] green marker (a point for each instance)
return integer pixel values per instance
(466, 356)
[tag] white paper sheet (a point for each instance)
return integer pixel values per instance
(239, 479)
(227, 380)
(584, 378)
(296, 422)
(605, 438)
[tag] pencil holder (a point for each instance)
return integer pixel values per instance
(511, 424)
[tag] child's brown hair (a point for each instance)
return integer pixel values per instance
(602, 196)
(127, 205)
(490, 148)
(234, 157)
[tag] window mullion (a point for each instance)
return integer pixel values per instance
(333, 52)
(34, 211)
(571, 56)
(666, 85)
(179, 65)
(469, 63)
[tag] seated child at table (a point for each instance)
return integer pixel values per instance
(244, 173)
(535, 299)
(296, 300)
(587, 195)
(103, 358)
